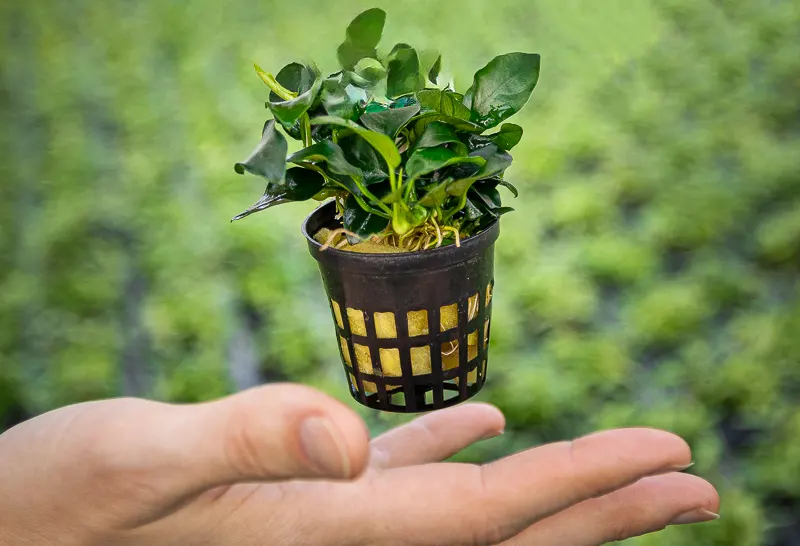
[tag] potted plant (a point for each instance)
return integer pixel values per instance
(405, 241)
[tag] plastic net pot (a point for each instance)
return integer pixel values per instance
(412, 328)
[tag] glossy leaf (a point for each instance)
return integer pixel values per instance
(301, 80)
(331, 154)
(300, 185)
(507, 137)
(496, 163)
(502, 87)
(437, 195)
(361, 222)
(269, 157)
(433, 73)
(443, 101)
(358, 152)
(383, 144)
(427, 160)
(368, 72)
(436, 134)
(362, 37)
(337, 101)
(403, 71)
(389, 121)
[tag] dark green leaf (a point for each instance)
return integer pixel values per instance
(428, 160)
(362, 155)
(507, 137)
(496, 162)
(510, 186)
(471, 211)
(295, 77)
(433, 73)
(383, 144)
(304, 81)
(436, 134)
(443, 101)
(331, 154)
(502, 87)
(269, 157)
(403, 71)
(300, 185)
(361, 222)
(389, 121)
(337, 101)
(362, 37)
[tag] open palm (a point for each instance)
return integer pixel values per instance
(286, 465)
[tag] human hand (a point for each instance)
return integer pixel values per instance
(287, 465)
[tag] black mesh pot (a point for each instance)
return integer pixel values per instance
(412, 328)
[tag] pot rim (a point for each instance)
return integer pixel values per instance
(401, 262)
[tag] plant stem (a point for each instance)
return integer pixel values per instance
(305, 130)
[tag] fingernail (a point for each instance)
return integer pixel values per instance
(324, 447)
(695, 516)
(494, 434)
(681, 468)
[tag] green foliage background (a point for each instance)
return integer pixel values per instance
(648, 277)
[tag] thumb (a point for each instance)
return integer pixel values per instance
(275, 432)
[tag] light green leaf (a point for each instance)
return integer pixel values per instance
(362, 37)
(443, 101)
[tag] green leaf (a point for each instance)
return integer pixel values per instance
(421, 121)
(303, 80)
(497, 161)
(502, 87)
(433, 73)
(443, 101)
(362, 155)
(436, 134)
(361, 222)
(507, 137)
(437, 195)
(427, 160)
(269, 157)
(368, 72)
(362, 37)
(403, 71)
(331, 154)
(300, 185)
(336, 100)
(389, 121)
(382, 143)
(510, 187)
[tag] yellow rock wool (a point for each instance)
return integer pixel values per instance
(418, 323)
(356, 319)
(385, 327)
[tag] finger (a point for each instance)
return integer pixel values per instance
(437, 436)
(269, 433)
(649, 505)
(489, 504)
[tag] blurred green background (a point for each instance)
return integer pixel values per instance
(648, 277)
